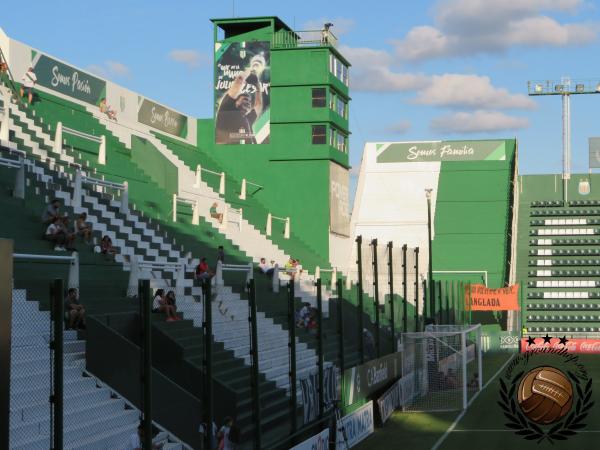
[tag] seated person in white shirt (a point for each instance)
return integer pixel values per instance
(265, 268)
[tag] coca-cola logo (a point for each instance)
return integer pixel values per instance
(587, 346)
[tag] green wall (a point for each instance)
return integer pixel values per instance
(472, 217)
(154, 164)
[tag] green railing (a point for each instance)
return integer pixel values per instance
(309, 38)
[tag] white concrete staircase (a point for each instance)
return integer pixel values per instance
(233, 333)
(94, 416)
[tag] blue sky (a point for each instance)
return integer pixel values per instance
(424, 70)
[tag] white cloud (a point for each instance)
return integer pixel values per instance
(191, 58)
(469, 27)
(341, 25)
(110, 69)
(399, 127)
(371, 71)
(477, 122)
(470, 91)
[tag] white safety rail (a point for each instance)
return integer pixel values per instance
(333, 273)
(233, 215)
(73, 260)
(58, 140)
(140, 269)
(19, 190)
(4, 123)
(221, 175)
(243, 188)
(101, 185)
(285, 220)
(248, 268)
(186, 201)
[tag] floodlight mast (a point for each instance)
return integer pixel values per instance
(564, 88)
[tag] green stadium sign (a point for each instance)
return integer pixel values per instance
(398, 152)
(68, 80)
(161, 118)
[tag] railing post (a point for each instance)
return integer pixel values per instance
(340, 327)
(19, 191)
(222, 184)
(243, 190)
(219, 274)
(146, 360)
(73, 281)
(208, 343)
(57, 147)
(269, 224)
(102, 151)
(416, 252)
(57, 346)
(376, 296)
(134, 276)
(174, 207)
(180, 280)
(6, 314)
(77, 190)
(359, 288)
(124, 209)
(255, 363)
(391, 288)
(286, 232)
(292, 355)
(317, 272)
(276, 278)
(404, 288)
(241, 219)
(198, 176)
(4, 134)
(225, 218)
(320, 355)
(334, 278)
(196, 213)
(250, 274)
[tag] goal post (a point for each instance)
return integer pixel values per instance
(441, 367)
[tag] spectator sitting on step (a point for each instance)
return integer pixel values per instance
(215, 214)
(220, 255)
(29, 79)
(83, 228)
(171, 299)
(224, 435)
(160, 304)
(55, 234)
(203, 272)
(303, 316)
(74, 311)
(264, 267)
(106, 248)
(51, 211)
(69, 233)
(135, 440)
(107, 109)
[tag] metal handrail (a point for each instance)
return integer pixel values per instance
(43, 257)
(99, 182)
(81, 134)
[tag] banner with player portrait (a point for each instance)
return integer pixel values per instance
(242, 92)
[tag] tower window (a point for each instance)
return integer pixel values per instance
(319, 99)
(319, 134)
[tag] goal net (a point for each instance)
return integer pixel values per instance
(441, 367)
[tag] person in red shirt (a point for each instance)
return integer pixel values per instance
(203, 272)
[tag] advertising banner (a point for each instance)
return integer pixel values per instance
(362, 381)
(389, 402)
(482, 298)
(339, 200)
(355, 427)
(399, 152)
(594, 152)
(68, 80)
(310, 393)
(161, 118)
(317, 442)
(575, 345)
(242, 92)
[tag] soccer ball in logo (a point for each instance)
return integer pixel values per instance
(545, 395)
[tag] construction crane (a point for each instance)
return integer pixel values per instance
(565, 88)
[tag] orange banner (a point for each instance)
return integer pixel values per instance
(481, 298)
